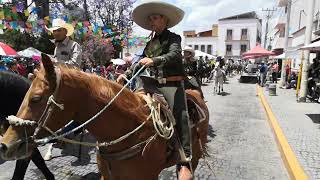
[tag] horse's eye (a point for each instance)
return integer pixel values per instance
(36, 99)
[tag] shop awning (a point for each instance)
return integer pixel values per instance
(258, 51)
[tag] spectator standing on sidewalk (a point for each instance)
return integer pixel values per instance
(263, 73)
(287, 68)
(275, 69)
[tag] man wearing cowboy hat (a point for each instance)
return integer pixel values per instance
(189, 61)
(67, 50)
(163, 56)
(190, 64)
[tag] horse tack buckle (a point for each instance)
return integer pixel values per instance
(162, 80)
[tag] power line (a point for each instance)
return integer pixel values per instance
(268, 16)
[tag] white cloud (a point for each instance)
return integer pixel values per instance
(201, 14)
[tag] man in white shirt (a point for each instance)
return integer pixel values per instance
(67, 50)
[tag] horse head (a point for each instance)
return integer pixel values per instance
(18, 142)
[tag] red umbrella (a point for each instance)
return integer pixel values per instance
(6, 50)
(252, 57)
(258, 51)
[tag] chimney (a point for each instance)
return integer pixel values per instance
(215, 30)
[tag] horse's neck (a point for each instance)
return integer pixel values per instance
(123, 115)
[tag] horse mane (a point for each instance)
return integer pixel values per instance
(103, 90)
(12, 91)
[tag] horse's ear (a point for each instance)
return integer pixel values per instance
(47, 64)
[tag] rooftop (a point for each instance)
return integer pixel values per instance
(248, 15)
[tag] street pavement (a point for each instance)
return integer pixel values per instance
(241, 144)
(300, 123)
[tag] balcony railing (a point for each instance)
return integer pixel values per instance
(229, 53)
(229, 37)
(244, 37)
(241, 52)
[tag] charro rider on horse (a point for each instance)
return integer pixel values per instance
(67, 50)
(190, 65)
(163, 56)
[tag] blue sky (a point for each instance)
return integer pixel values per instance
(201, 14)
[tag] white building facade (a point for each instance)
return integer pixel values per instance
(205, 44)
(297, 28)
(238, 34)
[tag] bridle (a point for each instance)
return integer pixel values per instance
(51, 104)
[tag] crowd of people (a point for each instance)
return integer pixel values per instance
(270, 72)
(19, 65)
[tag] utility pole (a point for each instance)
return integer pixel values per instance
(286, 43)
(269, 15)
(305, 63)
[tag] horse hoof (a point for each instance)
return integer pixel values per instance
(48, 157)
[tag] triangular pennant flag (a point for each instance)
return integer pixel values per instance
(26, 13)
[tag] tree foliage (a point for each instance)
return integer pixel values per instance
(97, 49)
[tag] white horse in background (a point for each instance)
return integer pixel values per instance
(218, 77)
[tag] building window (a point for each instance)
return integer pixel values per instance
(229, 34)
(282, 32)
(209, 49)
(244, 34)
(203, 48)
(243, 48)
(196, 47)
(229, 48)
(258, 37)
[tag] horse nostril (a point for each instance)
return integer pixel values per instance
(3, 148)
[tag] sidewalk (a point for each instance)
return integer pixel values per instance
(300, 123)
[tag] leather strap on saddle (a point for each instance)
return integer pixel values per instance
(175, 78)
(171, 79)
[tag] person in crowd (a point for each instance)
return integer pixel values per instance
(22, 68)
(249, 67)
(110, 71)
(275, 70)
(67, 50)
(292, 81)
(287, 76)
(3, 66)
(314, 69)
(163, 56)
(12, 67)
(263, 73)
(190, 65)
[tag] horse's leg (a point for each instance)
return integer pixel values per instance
(48, 155)
(39, 162)
(20, 169)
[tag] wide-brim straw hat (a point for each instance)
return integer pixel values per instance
(189, 49)
(59, 23)
(142, 12)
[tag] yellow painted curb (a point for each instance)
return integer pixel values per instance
(293, 167)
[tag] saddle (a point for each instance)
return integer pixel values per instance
(196, 116)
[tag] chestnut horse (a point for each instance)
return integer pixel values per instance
(12, 91)
(83, 95)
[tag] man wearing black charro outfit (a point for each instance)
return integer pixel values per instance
(191, 69)
(163, 56)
